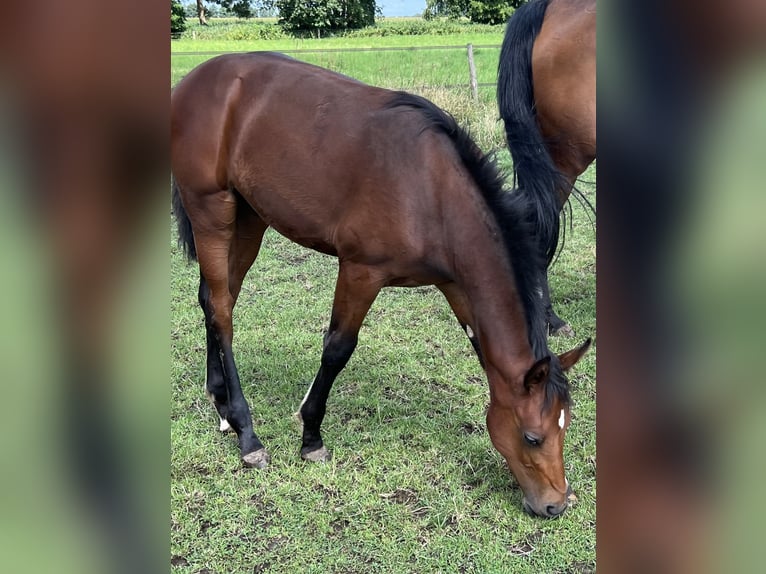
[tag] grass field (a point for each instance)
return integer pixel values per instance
(414, 484)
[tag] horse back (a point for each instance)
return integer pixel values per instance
(320, 157)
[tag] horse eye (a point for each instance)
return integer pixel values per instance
(532, 440)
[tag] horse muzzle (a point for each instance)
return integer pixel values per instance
(548, 510)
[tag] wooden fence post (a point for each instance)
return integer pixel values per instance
(472, 71)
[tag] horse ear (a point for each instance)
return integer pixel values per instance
(537, 373)
(570, 358)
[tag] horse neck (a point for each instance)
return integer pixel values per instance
(483, 273)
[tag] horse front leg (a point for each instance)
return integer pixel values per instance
(356, 290)
(459, 304)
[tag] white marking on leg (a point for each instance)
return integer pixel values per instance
(225, 426)
(305, 396)
(562, 419)
(297, 413)
(469, 331)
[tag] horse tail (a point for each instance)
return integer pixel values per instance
(534, 172)
(185, 232)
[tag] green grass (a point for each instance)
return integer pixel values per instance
(414, 484)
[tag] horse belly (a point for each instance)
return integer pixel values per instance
(298, 216)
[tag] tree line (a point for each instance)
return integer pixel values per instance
(317, 15)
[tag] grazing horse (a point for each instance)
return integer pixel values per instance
(399, 193)
(546, 92)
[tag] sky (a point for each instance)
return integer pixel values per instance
(402, 7)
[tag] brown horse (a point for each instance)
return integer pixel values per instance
(394, 188)
(546, 93)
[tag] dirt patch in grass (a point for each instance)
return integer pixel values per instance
(471, 428)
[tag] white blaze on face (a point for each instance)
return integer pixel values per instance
(562, 419)
(469, 331)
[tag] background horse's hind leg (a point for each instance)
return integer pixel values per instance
(215, 239)
(556, 325)
(355, 292)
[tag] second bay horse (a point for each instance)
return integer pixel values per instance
(546, 93)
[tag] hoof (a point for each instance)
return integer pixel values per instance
(564, 331)
(257, 459)
(318, 455)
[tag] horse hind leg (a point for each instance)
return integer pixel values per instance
(245, 247)
(556, 325)
(215, 384)
(355, 292)
(222, 254)
(244, 250)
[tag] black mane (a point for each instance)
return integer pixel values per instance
(515, 213)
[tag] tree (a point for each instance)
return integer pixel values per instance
(177, 18)
(242, 9)
(201, 13)
(479, 11)
(311, 15)
(239, 8)
(491, 11)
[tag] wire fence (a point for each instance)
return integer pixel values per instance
(472, 67)
(338, 50)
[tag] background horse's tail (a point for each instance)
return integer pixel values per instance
(534, 172)
(185, 233)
